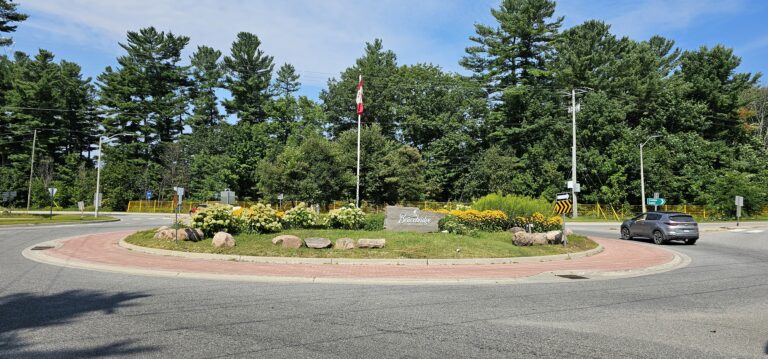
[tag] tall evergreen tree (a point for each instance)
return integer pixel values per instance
(249, 72)
(207, 75)
(8, 15)
(378, 68)
(146, 95)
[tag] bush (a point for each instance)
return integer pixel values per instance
(216, 218)
(452, 224)
(513, 206)
(260, 218)
(347, 217)
(300, 216)
(489, 221)
(374, 222)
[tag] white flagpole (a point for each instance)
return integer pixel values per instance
(357, 190)
(357, 195)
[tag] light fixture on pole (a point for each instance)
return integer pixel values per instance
(642, 175)
(97, 196)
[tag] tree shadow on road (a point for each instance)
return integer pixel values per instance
(22, 312)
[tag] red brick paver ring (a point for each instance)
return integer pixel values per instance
(102, 252)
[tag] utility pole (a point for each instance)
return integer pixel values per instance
(31, 170)
(573, 153)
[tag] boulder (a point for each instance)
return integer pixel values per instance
(317, 242)
(165, 234)
(223, 239)
(539, 238)
(517, 229)
(568, 232)
(344, 243)
(554, 237)
(522, 239)
(288, 241)
(162, 228)
(185, 234)
(371, 243)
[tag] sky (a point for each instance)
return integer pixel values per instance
(321, 38)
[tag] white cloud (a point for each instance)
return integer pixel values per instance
(320, 38)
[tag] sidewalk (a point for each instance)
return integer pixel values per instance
(619, 259)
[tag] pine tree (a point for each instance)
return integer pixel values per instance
(207, 75)
(146, 95)
(9, 15)
(248, 74)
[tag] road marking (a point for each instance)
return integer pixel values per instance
(738, 230)
(756, 231)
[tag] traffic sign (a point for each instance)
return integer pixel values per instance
(52, 191)
(655, 201)
(563, 196)
(563, 206)
(149, 195)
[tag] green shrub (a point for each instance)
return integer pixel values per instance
(216, 218)
(454, 225)
(260, 218)
(374, 222)
(347, 217)
(300, 216)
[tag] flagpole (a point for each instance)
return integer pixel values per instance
(359, 102)
(357, 193)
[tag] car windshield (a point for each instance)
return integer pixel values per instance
(682, 218)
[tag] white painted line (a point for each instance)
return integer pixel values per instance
(756, 231)
(738, 230)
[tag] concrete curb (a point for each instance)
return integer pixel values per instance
(350, 261)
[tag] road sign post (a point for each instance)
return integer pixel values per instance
(179, 196)
(52, 192)
(739, 203)
(562, 206)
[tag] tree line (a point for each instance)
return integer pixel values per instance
(235, 121)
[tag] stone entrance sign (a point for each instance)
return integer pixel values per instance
(411, 219)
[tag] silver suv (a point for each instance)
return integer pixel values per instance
(662, 227)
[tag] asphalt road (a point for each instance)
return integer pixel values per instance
(717, 307)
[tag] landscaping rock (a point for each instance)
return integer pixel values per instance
(371, 243)
(344, 243)
(317, 243)
(554, 237)
(288, 241)
(165, 234)
(223, 239)
(517, 229)
(522, 239)
(568, 232)
(539, 238)
(162, 228)
(185, 234)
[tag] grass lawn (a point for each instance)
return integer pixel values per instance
(399, 245)
(21, 218)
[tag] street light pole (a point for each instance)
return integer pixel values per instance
(642, 174)
(573, 153)
(96, 199)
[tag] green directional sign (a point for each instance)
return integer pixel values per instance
(655, 201)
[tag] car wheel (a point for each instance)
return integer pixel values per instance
(658, 237)
(691, 241)
(625, 233)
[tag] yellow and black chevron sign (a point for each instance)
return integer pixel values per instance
(563, 206)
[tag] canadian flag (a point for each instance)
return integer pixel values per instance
(360, 96)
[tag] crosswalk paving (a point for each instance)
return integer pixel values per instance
(743, 230)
